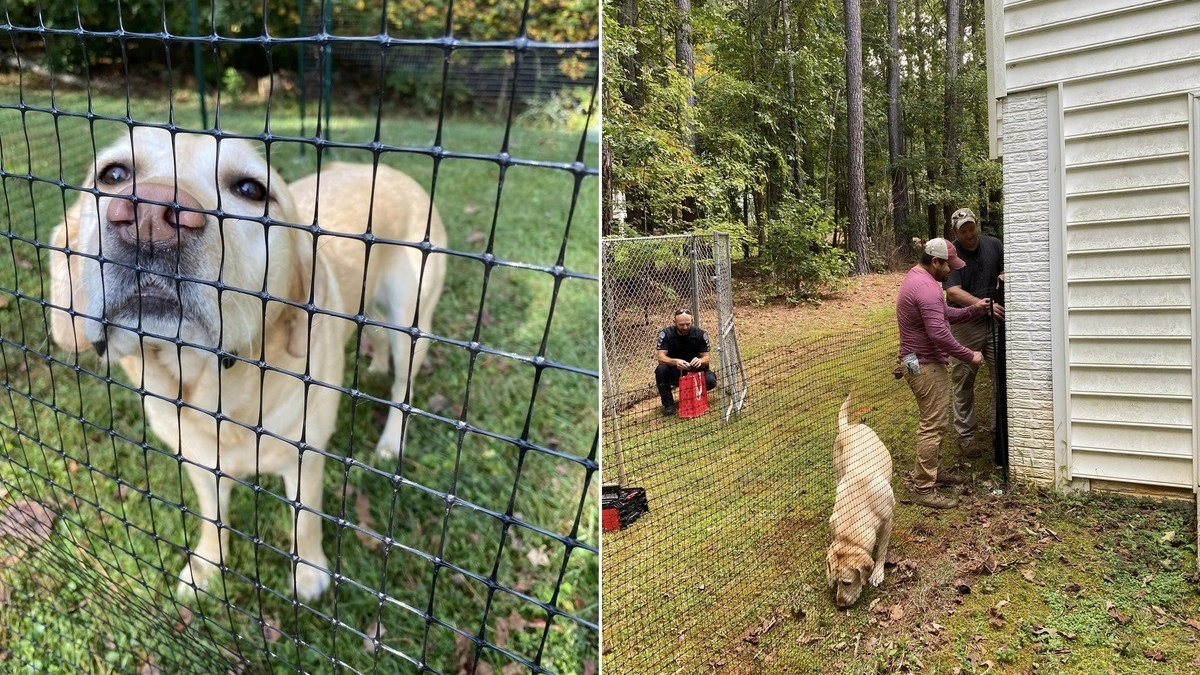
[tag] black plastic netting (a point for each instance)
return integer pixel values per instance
(737, 532)
(304, 293)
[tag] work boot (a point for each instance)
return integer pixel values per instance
(933, 500)
(968, 448)
(952, 477)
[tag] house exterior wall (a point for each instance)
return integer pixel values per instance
(1095, 123)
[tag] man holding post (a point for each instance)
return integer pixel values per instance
(980, 278)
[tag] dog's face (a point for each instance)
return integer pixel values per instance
(847, 573)
(178, 243)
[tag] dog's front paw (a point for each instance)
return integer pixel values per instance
(195, 575)
(311, 581)
(877, 576)
(391, 442)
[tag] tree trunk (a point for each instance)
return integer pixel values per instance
(760, 221)
(685, 60)
(606, 201)
(793, 116)
(950, 111)
(896, 132)
(631, 93)
(856, 179)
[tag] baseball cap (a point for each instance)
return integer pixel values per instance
(940, 248)
(963, 216)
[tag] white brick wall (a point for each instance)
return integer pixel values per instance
(1027, 287)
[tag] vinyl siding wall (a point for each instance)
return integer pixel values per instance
(1107, 201)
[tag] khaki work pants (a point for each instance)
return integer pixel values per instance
(975, 335)
(932, 390)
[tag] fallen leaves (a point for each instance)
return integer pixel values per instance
(149, 666)
(27, 521)
(755, 633)
(996, 618)
(438, 404)
(185, 619)
(464, 655)
(372, 635)
(367, 527)
(270, 629)
(1154, 655)
(538, 557)
(1121, 618)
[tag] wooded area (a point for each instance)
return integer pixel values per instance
(822, 134)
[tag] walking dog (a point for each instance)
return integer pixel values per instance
(862, 511)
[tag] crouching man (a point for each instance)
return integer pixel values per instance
(681, 348)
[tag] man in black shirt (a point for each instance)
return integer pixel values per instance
(980, 278)
(681, 348)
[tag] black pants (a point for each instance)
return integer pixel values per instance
(666, 376)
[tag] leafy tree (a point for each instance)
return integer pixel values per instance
(771, 116)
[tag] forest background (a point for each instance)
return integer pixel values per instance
(823, 135)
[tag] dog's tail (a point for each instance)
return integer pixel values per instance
(844, 413)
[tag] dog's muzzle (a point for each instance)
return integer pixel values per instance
(155, 218)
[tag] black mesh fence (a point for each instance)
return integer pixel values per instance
(738, 528)
(295, 385)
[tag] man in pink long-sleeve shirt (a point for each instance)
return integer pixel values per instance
(924, 319)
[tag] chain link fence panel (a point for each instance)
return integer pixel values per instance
(646, 280)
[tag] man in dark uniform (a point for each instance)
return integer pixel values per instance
(980, 278)
(681, 348)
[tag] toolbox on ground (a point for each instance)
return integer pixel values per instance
(622, 506)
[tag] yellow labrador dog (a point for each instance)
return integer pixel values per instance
(190, 302)
(862, 510)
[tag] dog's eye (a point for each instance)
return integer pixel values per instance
(248, 188)
(114, 174)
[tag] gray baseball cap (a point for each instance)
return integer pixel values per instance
(963, 216)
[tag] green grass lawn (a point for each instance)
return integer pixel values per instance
(96, 597)
(726, 573)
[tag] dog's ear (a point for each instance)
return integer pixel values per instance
(863, 568)
(66, 284)
(304, 287)
(311, 281)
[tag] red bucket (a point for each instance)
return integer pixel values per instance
(693, 395)
(612, 519)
